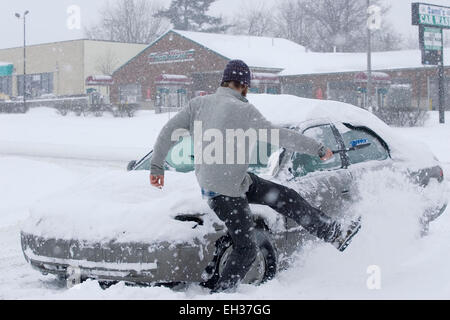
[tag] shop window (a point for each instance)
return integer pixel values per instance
(130, 93)
(36, 84)
(343, 91)
(6, 85)
(273, 90)
(304, 90)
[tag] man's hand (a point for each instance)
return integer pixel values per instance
(157, 181)
(329, 154)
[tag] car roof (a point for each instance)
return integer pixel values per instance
(287, 110)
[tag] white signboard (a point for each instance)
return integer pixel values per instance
(434, 15)
(432, 38)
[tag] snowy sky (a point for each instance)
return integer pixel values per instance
(48, 18)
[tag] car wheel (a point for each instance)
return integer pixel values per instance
(263, 269)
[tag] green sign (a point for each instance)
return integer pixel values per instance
(430, 15)
(6, 69)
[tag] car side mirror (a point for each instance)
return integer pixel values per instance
(131, 165)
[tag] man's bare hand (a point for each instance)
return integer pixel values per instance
(157, 181)
(328, 155)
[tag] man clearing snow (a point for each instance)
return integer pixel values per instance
(227, 184)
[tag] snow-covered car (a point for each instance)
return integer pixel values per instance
(115, 227)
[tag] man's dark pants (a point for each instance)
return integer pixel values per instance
(236, 214)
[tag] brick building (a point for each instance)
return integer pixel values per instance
(180, 65)
(341, 76)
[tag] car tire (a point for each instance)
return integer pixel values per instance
(266, 257)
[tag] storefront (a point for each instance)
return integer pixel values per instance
(6, 71)
(265, 83)
(171, 92)
(181, 65)
(381, 83)
(100, 84)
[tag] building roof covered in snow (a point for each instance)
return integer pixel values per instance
(321, 62)
(261, 52)
(293, 59)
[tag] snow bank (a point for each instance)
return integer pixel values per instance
(122, 206)
(43, 132)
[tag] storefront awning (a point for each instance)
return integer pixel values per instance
(377, 77)
(99, 80)
(6, 69)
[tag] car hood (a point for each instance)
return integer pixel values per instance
(123, 207)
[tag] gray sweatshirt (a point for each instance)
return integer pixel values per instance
(225, 110)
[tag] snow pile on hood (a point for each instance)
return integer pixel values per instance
(21, 185)
(122, 206)
(292, 110)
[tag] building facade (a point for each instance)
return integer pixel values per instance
(181, 65)
(62, 68)
(351, 87)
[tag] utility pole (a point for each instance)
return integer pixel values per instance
(441, 73)
(369, 60)
(24, 86)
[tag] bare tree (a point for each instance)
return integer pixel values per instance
(292, 23)
(107, 63)
(327, 25)
(132, 21)
(254, 21)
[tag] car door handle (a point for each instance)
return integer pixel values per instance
(346, 192)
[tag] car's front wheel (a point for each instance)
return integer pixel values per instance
(263, 269)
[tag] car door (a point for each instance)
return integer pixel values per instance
(325, 184)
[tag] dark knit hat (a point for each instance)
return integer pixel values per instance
(237, 70)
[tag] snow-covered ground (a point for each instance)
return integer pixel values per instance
(42, 152)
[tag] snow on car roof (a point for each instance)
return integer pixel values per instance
(263, 52)
(292, 110)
